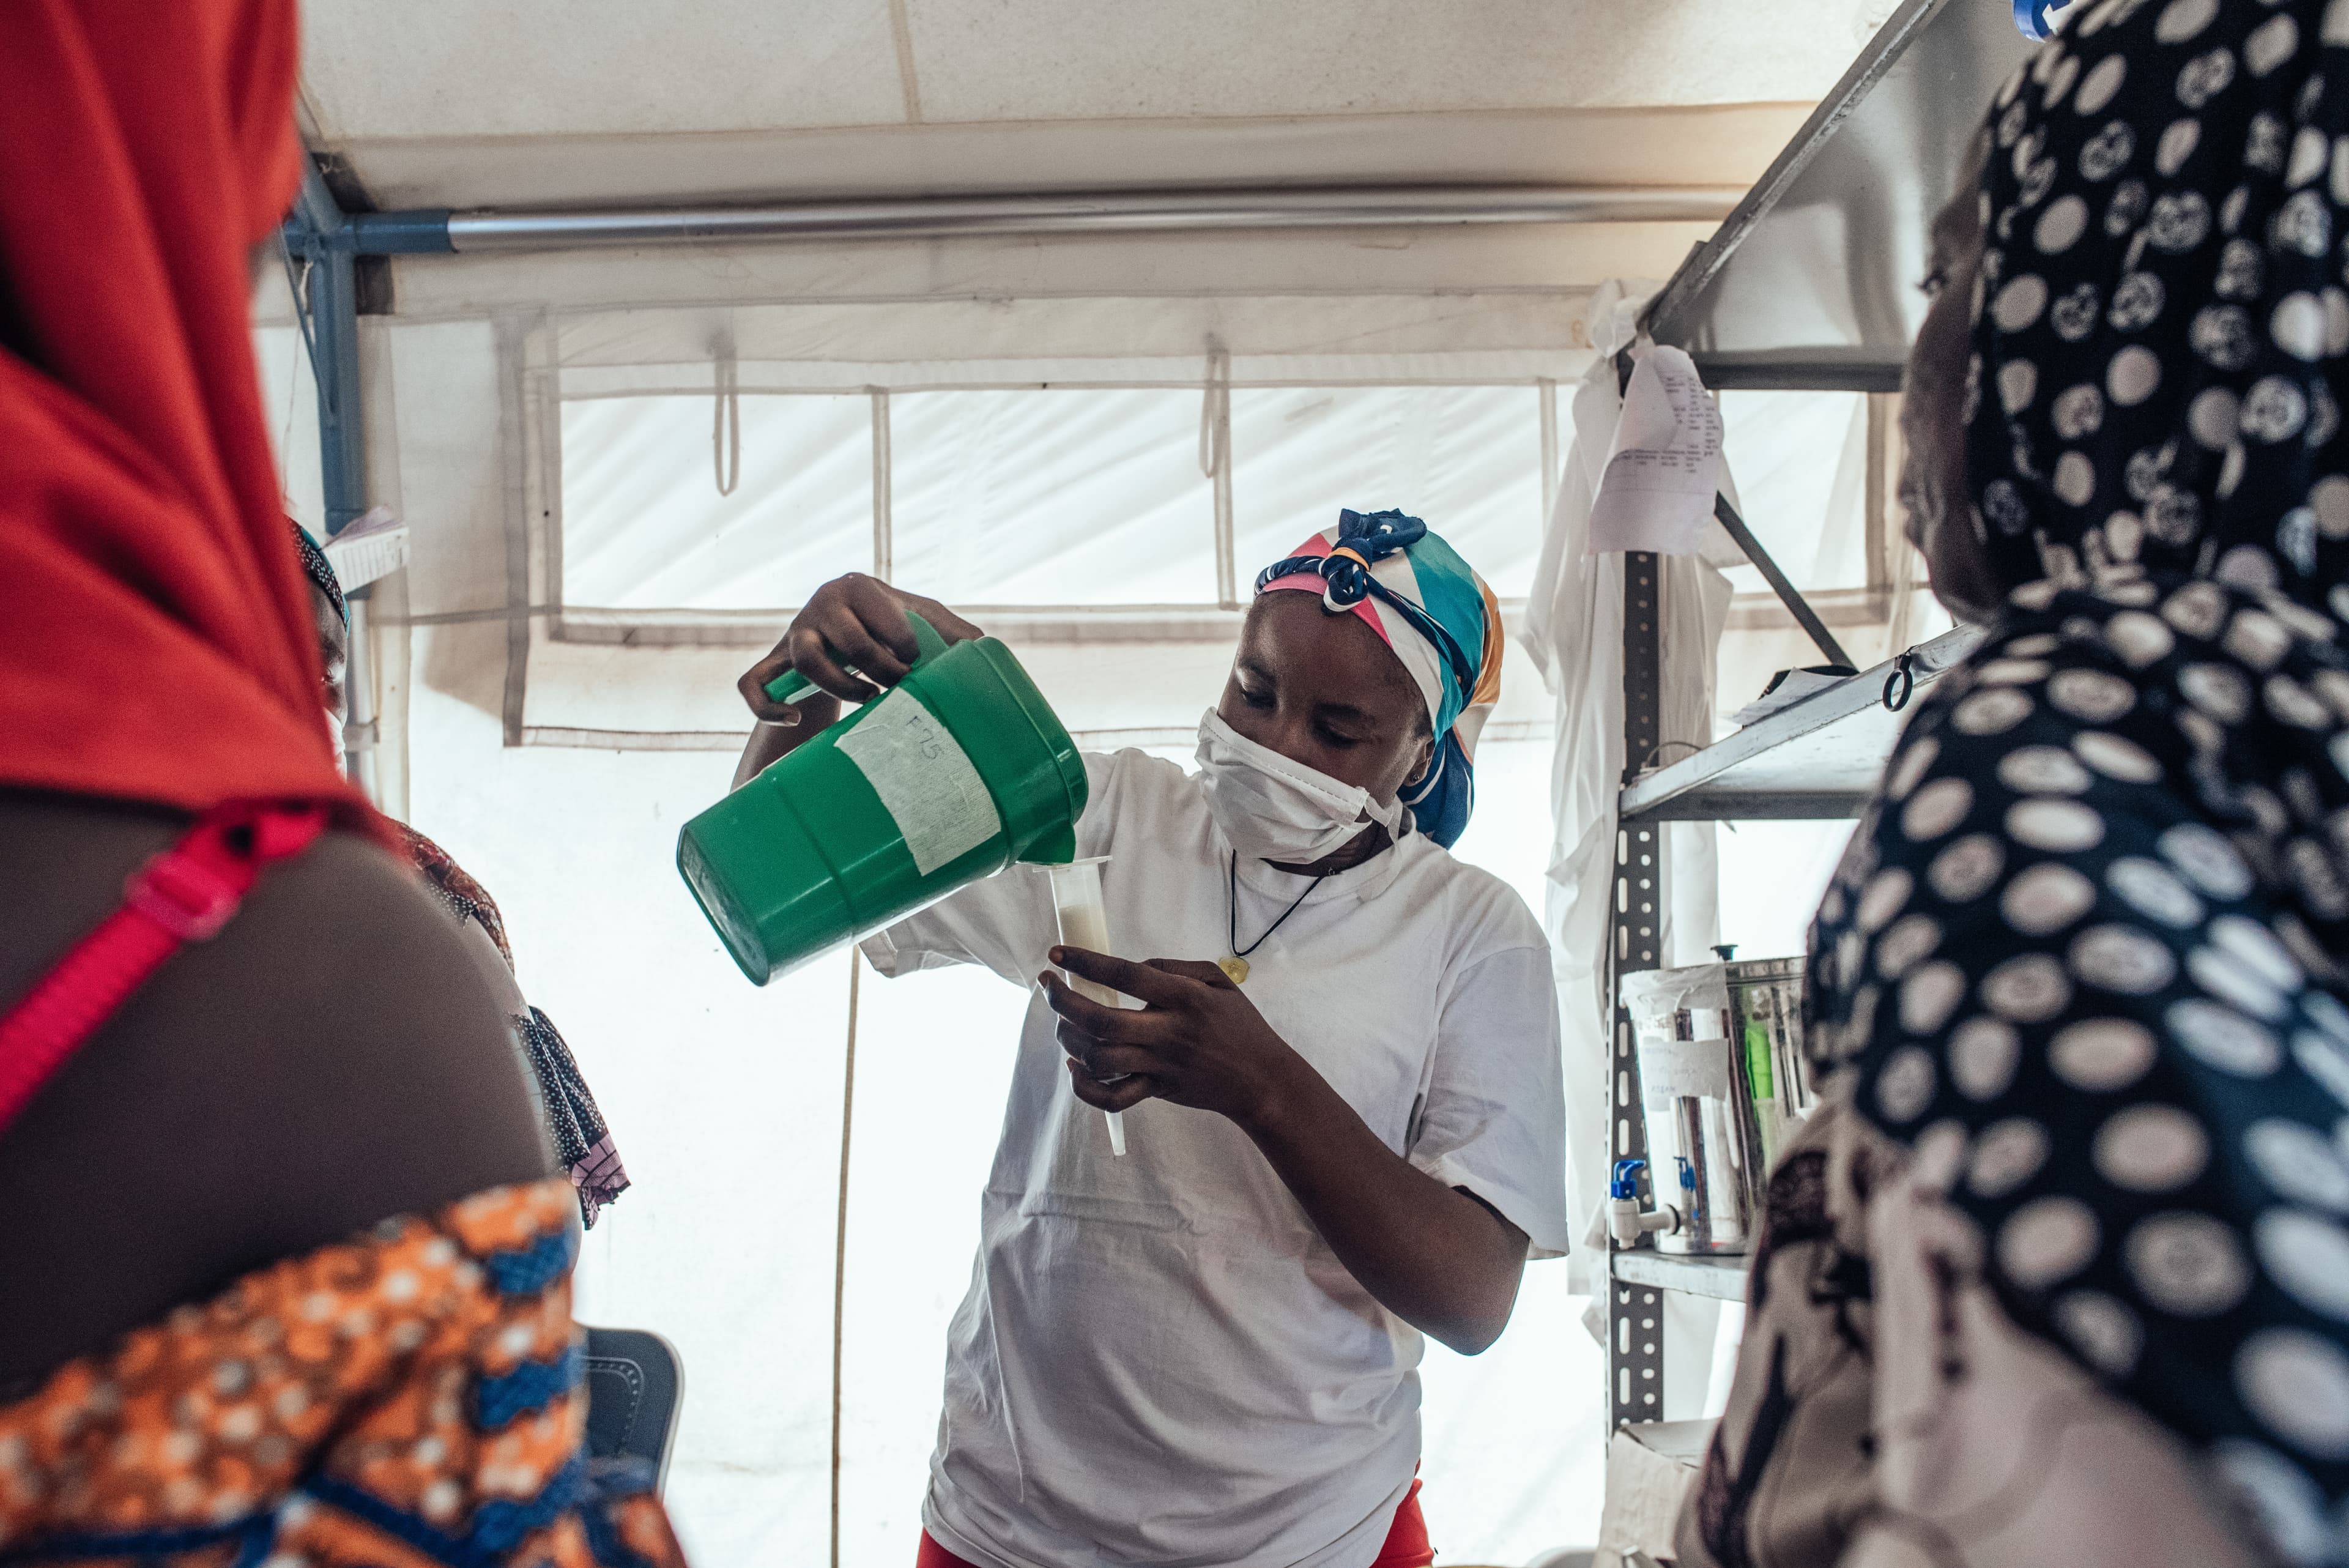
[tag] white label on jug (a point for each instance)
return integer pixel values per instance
(1698, 1067)
(924, 779)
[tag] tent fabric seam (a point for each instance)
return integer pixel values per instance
(341, 146)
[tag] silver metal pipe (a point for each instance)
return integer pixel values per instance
(1128, 213)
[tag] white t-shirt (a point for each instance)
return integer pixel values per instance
(1160, 1361)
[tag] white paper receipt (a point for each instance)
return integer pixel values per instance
(1671, 1068)
(924, 779)
(1664, 465)
(374, 546)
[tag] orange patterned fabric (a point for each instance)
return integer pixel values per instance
(411, 1398)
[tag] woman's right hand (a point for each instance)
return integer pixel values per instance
(852, 623)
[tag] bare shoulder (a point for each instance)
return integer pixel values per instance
(334, 1055)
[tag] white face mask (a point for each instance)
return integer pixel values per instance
(1272, 808)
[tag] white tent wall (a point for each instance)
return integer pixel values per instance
(726, 1103)
(1820, 469)
(469, 421)
(555, 671)
(533, 748)
(726, 1099)
(1120, 338)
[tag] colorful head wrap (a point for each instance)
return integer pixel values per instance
(1442, 620)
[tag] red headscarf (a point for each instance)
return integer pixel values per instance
(156, 640)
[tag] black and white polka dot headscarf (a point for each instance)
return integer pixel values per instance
(320, 571)
(2091, 933)
(2161, 323)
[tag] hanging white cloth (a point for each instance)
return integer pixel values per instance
(1575, 636)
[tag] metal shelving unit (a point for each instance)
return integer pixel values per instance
(1805, 287)
(1814, 759)
(1719, 1279)
(1817, 759)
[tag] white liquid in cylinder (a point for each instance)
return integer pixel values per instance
(1086, 926)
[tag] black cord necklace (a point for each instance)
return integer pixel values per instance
(1237, 966)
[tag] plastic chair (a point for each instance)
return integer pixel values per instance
(634, 1385)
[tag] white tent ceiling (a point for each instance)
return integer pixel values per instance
(556, 102)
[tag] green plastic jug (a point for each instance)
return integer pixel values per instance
(952, 774)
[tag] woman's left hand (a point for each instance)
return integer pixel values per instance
(1197, 1041)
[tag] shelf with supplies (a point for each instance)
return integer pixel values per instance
(1728, 1078)
(1816, 758)
(1754, 310)
(1720, 1279)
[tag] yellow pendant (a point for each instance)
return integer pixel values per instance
(1236, 968)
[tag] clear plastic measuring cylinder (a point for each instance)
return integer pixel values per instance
(1084, 923)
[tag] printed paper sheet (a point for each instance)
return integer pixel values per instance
(1664, 467)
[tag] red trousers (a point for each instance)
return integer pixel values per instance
(1406, 1546)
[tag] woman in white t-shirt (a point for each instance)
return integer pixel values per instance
(1342, 1093)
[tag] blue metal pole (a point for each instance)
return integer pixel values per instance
(315, 207)
(320, 231)
(419, 232)
(342, 437)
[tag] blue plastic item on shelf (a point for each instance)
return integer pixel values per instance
(2033, 17)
